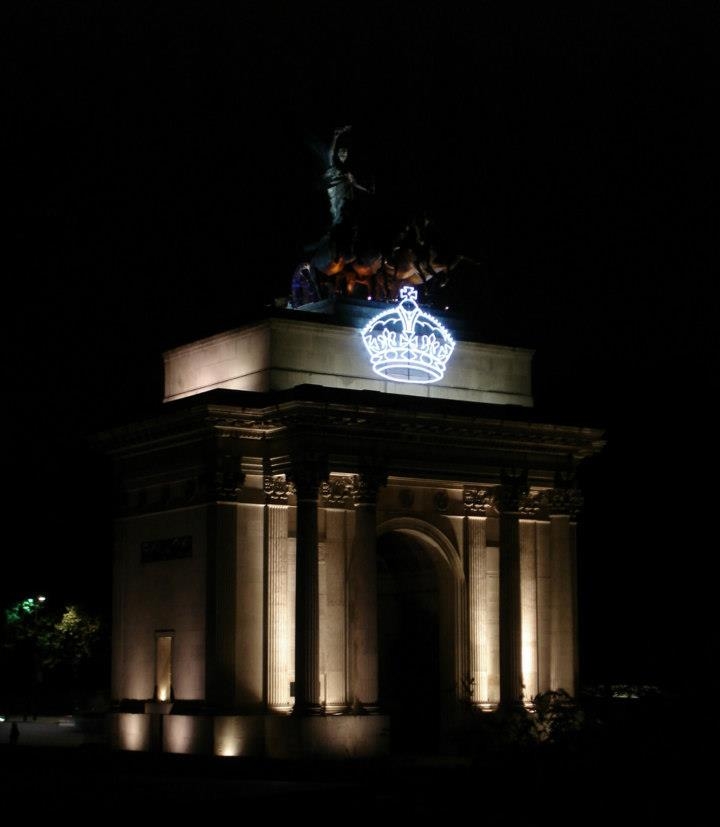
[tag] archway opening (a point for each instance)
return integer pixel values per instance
(409, 642)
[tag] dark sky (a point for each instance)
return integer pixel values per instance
(161, 181)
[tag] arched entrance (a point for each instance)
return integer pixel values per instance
(418, 646)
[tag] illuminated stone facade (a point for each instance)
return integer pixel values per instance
(300, 348)
(333, 569)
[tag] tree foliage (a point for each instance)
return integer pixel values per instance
(65, 636)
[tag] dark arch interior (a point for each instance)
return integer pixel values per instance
(409, 642)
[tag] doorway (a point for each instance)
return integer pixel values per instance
(409, 631)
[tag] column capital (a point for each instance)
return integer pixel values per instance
(338, 491)
(563, 499)
(353, 489)
(480, 502)
(563, 502)
(306, 472)
(366, 485)
(277, 489)
(541, 505)
(226, 479)
(533, 505)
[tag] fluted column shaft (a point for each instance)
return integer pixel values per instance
(510, 624)
(362, 605)
(562, 621)
(529, 608)
(476, 601)
(307, 606)
(278, 628)
(483, 614)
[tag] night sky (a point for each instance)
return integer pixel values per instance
(161, 183)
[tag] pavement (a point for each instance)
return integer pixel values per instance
(63, 766)
(54, 731)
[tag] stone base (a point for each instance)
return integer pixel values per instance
(274, 736)
(331, 736)
(133, 731)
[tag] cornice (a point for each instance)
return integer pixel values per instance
(400, 425)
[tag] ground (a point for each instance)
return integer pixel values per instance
(638, 771)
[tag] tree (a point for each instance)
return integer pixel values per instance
(72, 639)
(45, 651)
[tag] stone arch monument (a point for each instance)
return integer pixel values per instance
(318, 488)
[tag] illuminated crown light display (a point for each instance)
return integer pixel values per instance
(407, 345)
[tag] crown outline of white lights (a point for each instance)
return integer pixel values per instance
(399, 352)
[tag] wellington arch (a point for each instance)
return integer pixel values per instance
(343, 531)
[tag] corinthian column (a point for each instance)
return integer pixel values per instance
(562, 619)
(544, 604)
(529, 608)
(278, 610)
(307, 476)
(337, 501)
(362, 597)
(511, 492)
(564, 502)
(483, 597)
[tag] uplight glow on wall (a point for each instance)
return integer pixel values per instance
(163, 667)
(406, 344)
